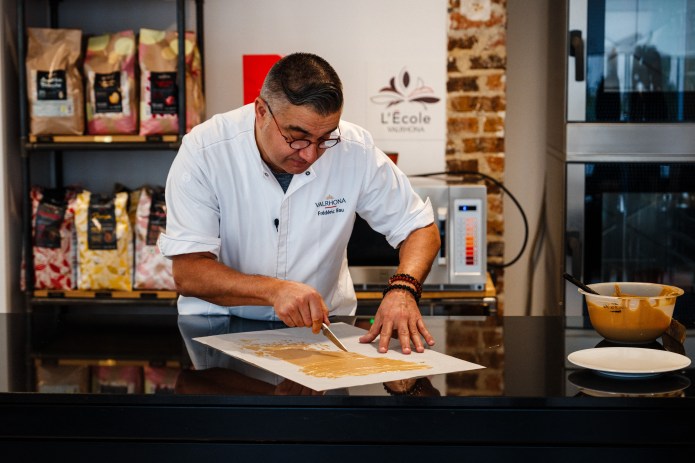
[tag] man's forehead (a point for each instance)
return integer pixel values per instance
(305, 120)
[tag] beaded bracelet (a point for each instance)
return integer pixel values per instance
(405, 287)
(415, 389)
(408, 279)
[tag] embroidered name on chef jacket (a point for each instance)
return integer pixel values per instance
(330, 205)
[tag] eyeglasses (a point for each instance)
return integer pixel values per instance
(300, 144)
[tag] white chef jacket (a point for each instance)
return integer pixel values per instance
(222, 198)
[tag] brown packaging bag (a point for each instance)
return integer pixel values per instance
(54, 82)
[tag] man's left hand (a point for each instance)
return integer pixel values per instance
(399, 312)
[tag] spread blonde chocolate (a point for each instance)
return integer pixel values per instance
(319, 361)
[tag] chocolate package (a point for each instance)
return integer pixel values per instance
(109, 69)
(104, 242)
(152, 269)
(158, 58)
(117, 379)
(54, 82)
(160, 380)
(62, 379)
(53, 238)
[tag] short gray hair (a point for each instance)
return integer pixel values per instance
(304, 79)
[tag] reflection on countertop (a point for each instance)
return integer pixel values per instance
(155, 354)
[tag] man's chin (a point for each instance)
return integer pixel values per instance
(292, 168)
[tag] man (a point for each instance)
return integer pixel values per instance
(261, 204)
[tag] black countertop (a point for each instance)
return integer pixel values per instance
(143, 382)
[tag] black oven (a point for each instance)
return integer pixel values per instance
(620, 183)
(632, 61)
(632, 222)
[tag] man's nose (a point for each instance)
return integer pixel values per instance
(310, 153)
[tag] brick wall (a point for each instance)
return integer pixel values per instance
(476, 106)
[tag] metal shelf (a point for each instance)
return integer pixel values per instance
(80, 297)
(55, 145)
(102, 142)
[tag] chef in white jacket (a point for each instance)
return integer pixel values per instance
(261, 202)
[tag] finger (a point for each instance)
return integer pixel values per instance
(385, 337)
(288, 321)
(317, 315)
(296, 318)
(305, 313)
(415, 336)
(373, 331)
(286, 314)
(429, 339)
(404, 337)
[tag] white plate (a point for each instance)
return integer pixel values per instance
(628, 362)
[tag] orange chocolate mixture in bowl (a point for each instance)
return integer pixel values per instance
(631, 312)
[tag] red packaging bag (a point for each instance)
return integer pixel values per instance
(53, 234)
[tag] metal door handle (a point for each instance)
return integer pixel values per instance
(442, 213)
(574, 252)
(577, 51)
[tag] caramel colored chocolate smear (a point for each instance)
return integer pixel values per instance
(319, 361)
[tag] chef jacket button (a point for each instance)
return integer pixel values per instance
(265, 173)
(307, 173)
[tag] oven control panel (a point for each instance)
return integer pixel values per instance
(469, 239)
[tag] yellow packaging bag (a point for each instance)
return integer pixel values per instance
(104, 242)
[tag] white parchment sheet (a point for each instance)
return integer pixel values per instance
(309, 359)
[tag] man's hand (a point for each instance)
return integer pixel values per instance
(298, 304)
(201, 275)
(399, 311)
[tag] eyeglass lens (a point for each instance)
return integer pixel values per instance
(322, 144)
(302, 143)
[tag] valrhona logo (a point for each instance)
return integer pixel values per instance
(399, 90)
(402, 89)
(330, 205)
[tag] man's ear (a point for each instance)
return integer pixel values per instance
(260, 108)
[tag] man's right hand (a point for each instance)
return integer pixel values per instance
(201, 275)
(298, 304)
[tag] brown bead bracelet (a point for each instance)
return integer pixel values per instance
(405, 287)
(408, 279)
(415, 389)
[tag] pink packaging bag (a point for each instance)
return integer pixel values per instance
(117, 379)
(158, 57)
(111, 89)
(152, 270)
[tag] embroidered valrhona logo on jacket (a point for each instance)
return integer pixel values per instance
(330, 205)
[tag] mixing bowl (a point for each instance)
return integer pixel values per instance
(628, 312)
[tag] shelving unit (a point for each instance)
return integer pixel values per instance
(55, 146)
